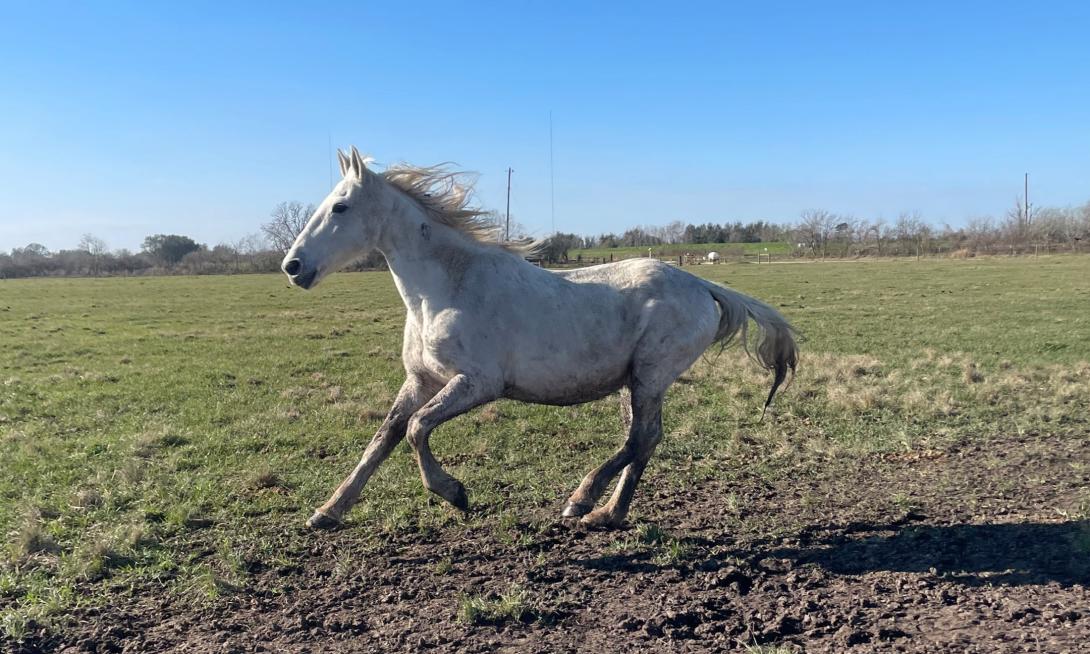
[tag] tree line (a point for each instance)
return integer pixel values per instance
(816, 233)
(820, 234)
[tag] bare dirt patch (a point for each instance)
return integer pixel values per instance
(977, 549)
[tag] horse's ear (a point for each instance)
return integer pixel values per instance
(342, 160)
(358, 163)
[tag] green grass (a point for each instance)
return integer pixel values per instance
(724, 249)
(768, 649)
(514, 605)
(180, 429)
(650, 539)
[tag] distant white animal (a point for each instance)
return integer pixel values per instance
(482, 323)
(713, 257)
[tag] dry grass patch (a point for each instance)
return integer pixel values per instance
(971, 374)
(87, 498)
(33, 539)
(149, 442)
(266, 478)
(489, 414)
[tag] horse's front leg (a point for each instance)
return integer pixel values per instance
(461, 394)
(414, 394)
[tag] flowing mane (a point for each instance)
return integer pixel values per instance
(447, 196)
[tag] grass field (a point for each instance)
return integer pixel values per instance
(724, 249)
(177, 431)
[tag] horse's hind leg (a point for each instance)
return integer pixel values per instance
(646, 433)
(461, 394)
(582, 501)
(413, 394)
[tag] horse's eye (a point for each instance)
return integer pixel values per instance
(340, 207)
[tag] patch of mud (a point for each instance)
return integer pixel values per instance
(971, 550)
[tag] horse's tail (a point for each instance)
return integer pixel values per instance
(776, 349)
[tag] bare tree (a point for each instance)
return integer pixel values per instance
(288, 219)
(913, 230)
(95, 247)
(981, 233)
(92, 245)
(674, 232)
(518, 230)
(249, 246)
(816, 226)
(844, 232)
(1018, 222)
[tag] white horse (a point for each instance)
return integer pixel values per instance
(482, 323)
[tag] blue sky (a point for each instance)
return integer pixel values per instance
(128, 119)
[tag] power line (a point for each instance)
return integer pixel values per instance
(552, 182)
(507, 233)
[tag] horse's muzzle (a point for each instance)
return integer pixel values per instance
(297, 273)
(306, 280)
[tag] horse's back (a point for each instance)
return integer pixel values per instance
(593, 326)
(627, 273)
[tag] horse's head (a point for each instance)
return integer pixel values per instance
(342, 228)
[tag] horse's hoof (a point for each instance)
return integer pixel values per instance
(460, 500)
(575, 510)
(600, 519)
(322, 521)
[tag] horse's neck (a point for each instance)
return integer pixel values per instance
(421, 255)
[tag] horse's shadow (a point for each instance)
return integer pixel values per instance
(989, 554)
(974, 555)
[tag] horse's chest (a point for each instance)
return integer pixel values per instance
(442, 345)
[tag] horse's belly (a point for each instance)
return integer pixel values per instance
(560, 380)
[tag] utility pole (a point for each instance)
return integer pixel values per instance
(1026, 208)
(507, 232)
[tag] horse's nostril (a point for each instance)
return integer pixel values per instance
(292, 267)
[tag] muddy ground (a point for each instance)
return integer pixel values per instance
(969, 550)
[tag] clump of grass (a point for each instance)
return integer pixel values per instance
(443, 566)
(86, 498)
(107, 552)
(294, 393)
(971, 374)
(673, 552)
(203, 584)
(651, 534)
(94, 562)
(489, 415)
(514, 605)
(265, 478)
(768, 649)
(664, 548)
(291, 414)
(39, 608)
(344, 565)
(148, 443)
(372, 414)
(33, 539)
(184, 516)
